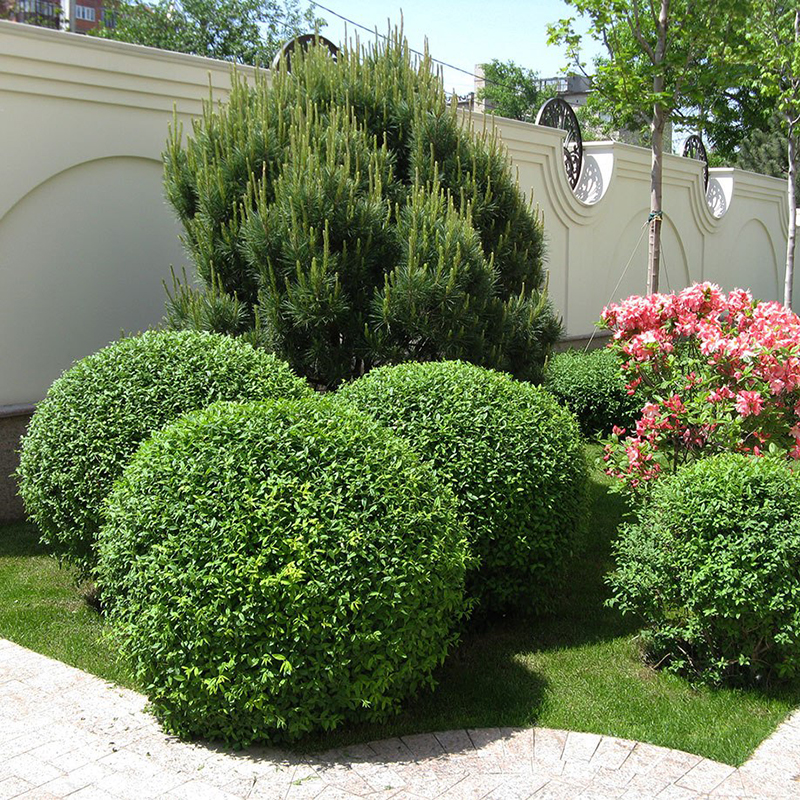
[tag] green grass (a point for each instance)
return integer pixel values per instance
(576, 668)
(42, 608)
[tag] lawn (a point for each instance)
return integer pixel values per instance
(577, 667)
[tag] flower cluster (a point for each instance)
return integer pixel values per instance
(715, 372)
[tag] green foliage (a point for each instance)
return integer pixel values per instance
(577, 668)
(512, 456)
(277, 568)
(668, 54)
(244, 31)
(96, 414)
(712, 568)
(592, 387)
(763, 150)
(358, 222)
(512, 91)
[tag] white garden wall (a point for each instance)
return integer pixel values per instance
(734, 235)
(86, 238)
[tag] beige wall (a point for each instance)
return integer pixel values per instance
(86, 237)
(734, 236)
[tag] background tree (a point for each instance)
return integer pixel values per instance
(774, 47)
(664, 55)
(344, 217)
(764, 150)
(244, 31)
(513, 91)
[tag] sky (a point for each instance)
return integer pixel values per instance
(464, 33)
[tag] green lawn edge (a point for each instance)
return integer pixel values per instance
(576, 668)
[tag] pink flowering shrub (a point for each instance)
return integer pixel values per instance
(720, 373)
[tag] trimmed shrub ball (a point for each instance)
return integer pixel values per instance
(512, 456)
(96, 414)
(592, 387)
(713, 567)
(281, 567)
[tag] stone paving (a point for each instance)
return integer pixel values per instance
(65, 733)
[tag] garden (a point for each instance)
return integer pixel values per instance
(349, 491)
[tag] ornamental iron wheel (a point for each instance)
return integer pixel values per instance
(558, 113)
(694, 148)
(303, 42)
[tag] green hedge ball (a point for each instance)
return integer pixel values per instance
(512, 456)
(278, 568)
(711, 566)
(96, 414)
(591, 385)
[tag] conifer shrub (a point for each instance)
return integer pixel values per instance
(276, 568)
(96, 414)
(513, 457)
(344, 216)
(591, 385)
(712, 566)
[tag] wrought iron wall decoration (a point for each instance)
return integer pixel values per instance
(694, 148)
(303, 43)
(558, 113)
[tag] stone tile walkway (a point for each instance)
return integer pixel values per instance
(65, 733)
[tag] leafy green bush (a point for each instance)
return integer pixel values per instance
(513, 457)
(99, 410)
(713, 568)
(279, 567)
(345, 216)
(592, 387)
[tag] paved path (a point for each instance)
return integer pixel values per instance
(65, 733)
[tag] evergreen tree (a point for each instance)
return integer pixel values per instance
(343, 216)
(763, 150)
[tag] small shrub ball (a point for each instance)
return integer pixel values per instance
(513, 457)
(276, 568)
(592, 387)
(712, 566)
(96, 414)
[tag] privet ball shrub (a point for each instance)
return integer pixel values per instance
(280, 567)
(96, 414)
(345, 216)
(713, 568)
(592, 387)
(511, 454)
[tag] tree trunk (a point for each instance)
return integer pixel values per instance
(656, 171)
(790, 240)
(656, 168)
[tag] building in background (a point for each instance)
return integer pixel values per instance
(575, 89)
(78, 16)
(44, 13)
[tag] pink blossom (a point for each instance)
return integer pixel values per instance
(749, 403)
(708, 354)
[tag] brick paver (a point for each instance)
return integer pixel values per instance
(65, 733)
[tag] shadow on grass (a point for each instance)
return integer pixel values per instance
(42, 607)
(576, 667)
(20, 540)
(488, 680)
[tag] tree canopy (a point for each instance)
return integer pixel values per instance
(667, 56)
(512, 91)
(244, 31)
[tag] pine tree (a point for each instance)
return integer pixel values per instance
(763, 150)
(343, 216)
